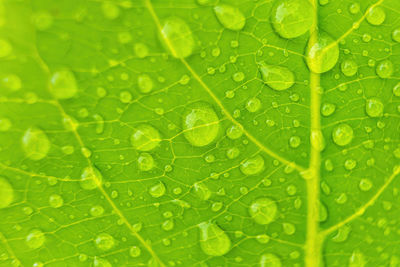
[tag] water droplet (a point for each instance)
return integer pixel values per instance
(202, 191)
(135, 251)
(396, 90)
(35, 143)
(63, 84)
(327, 109)
(145, 137)
(374, 107)
(178, 37)
(342, 234)
(200, 124)
(349, 67)
(11, 82)
(396, 35)
(365, 184)
(100, 262)
(263, 210)
(289, 228)
(56, 201)
(96, 210)
(237, 77)
(207, 2)
(341, 199)
(376, 15)
(323, 212)
(252, 165)
(294, 141)
(35, 239)
(270, 260)
(292, 18)
(168, 225)
(104, 241)
(342, 134)
(6, 193)
(42, 20)
(320, 58)
(277, 77)
(234, 132)
(232, 153)
(230, 17)
(125, 97)
(145, 162)
(357, 259)
(354, 8)
(317, 140)
(5, 48)
(157, 190)
(91, 178)
(384, 69)
(253, 105)
(350, 164)
(213, 240)
(145, 83)
(141, 50)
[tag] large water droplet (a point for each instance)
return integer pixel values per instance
(213, 240)
(342, 234)
(35, 239)
(56, 201)
(6, 193)
(376, 15)
(327, 109)
(292, 18)
(252, 165)
(145, 162)
(323, 54)
(357, 259)
(349, 67)
(157, 190)
(342, 134)
(270, 260)
(145, 83)
(317, 140)
(91, 178)
(230, 17)
(277, 77)
(35, 143)
(374, 107)
(200, 124)
(263, 210)
(145, 137)
(202, 191)
(235, 131)
(384, 69)
(365, 184)
(178, 37)
(63, 84)
(104, 241)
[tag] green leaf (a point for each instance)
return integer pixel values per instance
(199, 133)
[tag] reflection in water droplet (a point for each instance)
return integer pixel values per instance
(135, 251)
(104, 241)
(263, 210)
(289, 228)
(56, 201)
(145, 162)
(342, 134)
(63, 84)
(213, 240)
(35, 143)
(320, 58)
(11, 81)
(145, 83)
(374, 107)
(292, 18)
(384, 69)
(342, 234)
(35, 239)
(200, 124)
(202, 191)
(277, 77)
(252, 165)
(234, 132)
(396, 35)
(100, 262)
(327, 109)
(157, 190)
(230, 17)
(349, 67)
(178, 37)
(6, 193)
(376, 15)
(90, 178)
(270, 260)
(145, 137)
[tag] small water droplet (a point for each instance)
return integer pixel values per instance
(374, 107)
(263, 210)
(145, 162)
(384, 69)
(270, 260)
(141, 50)
(100, 262)
(96, 210)
(63, 84)
(277, 77)
(91, 178)
(135, 251)
(157, 190)
(319, 58)
(104, 241)
(56, 201)
(202, 191)
(5, 48)
(327, 109)
(11, 82)
(6, 193)
(354, 8)
(213, 240)
(349, 67)
(342, 234)
(357, 259)
(294, 141)
(35, 143)
(365, 184)
(145, 137)
(230, 17)
(376, 15)
(252, 165)
(35, 239)
(342, 134)
(177, 37)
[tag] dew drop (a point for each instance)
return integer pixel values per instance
(232, 153)
(253, 105)
(354, 8)
(11, 82)
(42, 20)
(110, 10)
(270, 260)
(91, 178)
(168, 225)
(263, 210)
(319, 58)
(323, 212)
(35, 143)
(145, 137)
(145, 162)
(384, 69)
(317, 140)
(35, 239)
(376, 15)
(145, 83)
(202, 191)
(349, 67)
(292, 18)
(96, 211)
(277, 77)
(230, 17)
(327, 109)
(63, 84)
(294, 141)
(135, 251)
(374, 107)
(157, 190)
(141, 50)
(213, 240)
(396, 35)
(342, 234)
(100, 262)
(289, 228)
(200, 124)
(396, 90)
(365, 184)
(125, 97)
(177, 37)
(342, 134)
(357, 259)
(234, 132)
(252, 165)
(6, 193)
(56, 201)
(104, 241)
